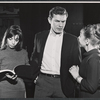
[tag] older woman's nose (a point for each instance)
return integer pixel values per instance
(78, 38)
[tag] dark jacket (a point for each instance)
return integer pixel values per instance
(69, 57)
(90, 71)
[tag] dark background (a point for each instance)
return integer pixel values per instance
(32, 17)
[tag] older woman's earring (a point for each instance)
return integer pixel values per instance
(86, 44)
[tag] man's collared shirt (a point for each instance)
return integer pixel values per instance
(52, 54)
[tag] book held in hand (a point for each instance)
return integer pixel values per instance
(22, 71)
(5, 72)
(26, 72)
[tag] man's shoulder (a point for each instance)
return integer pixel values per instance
(69, 35)
(42, 32)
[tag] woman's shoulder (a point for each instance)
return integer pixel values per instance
(24, 51)
(3, 52)
(94, 57)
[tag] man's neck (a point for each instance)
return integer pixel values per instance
(56, 33)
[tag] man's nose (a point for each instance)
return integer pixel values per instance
(60, 24)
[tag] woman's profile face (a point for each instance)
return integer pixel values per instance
(82, 39)
(13, 41)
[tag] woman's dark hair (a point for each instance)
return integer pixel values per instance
(10, 32)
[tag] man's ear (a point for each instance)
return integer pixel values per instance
(49, 20)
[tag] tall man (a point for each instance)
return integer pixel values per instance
(55, 51)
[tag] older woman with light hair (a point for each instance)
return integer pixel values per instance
(88, 74)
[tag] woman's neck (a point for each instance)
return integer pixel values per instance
(90, 47)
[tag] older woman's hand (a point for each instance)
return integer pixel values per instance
(74, 70)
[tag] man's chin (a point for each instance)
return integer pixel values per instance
(59, 32)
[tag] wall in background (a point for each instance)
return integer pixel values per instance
(32, 17)
(9, 15)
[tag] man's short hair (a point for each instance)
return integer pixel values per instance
(57, 10)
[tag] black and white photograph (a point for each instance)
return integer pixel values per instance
(50, 50)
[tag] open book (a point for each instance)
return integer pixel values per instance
(22, 71)
(4, 73)
(26, 72)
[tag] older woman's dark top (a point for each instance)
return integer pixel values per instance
(90, 71)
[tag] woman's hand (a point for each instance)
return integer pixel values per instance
(74, 70)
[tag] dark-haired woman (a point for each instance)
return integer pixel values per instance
(88, 75)
(11, 55)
